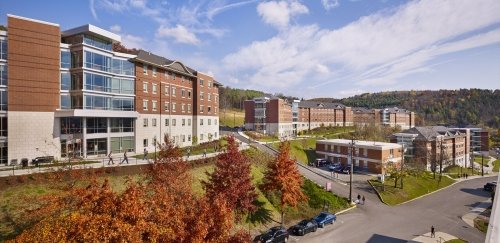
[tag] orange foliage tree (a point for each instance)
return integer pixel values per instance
(161, 209)
(283, 177)
(232, 180)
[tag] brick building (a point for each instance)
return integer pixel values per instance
(72, 93)
(428, 146)
(368, 155)
(282, 118)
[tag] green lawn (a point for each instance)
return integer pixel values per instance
(414, 186)
(455, 170)
(328, 132)
(496, 165)
(456, 241)
(231, 118)
(478, 160)
(195, 149)
(304, 150)
(49, 165)
(261, 137)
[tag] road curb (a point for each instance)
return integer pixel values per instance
(378, 193)
(346, 210)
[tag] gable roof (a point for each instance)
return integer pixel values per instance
(430, 133)
(164, 62)
(317, 104)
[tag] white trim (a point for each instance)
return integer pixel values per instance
(3, 33)
(32, 20)
(95, 113)
(93, 29)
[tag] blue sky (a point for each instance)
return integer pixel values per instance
(313, 48)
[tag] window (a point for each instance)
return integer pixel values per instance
(3, 75)
(65, 80)
(145, 87)
(154, 105)
(145, 69)
(201, 108)
(183, 138)
(174, 121)
(189, 107)
(145, 122)
(65, 102)
(97, 61)
(97, 42)
(166, 122)
(97, 125)
(209, 97)
(189, 138)
(154, 71)
(153, 89)
(209, 84)
(123, 67)
(145, 105)
(189, 122)
(94, 102)
(122, 86)
(201, 136)
(145, 142)
(173, 76)
(166, 89)
(153, 122)
(183, 122)
(122, 104)
(183, 93)
(182, 107)
(65, 59)
(201, 82)
(189, 94)
(215, 121)
(173, 91)
(215, 98)
(209, 109)
(174, 107)
(97, 82)
(3, 49)
(167, 106)
(209, 122)
(122, 125)
(121, 144)
(201, 95)
(215, 110)
(215, 135)
(71, 125)
(201, 122)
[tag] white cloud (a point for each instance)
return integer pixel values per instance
(92, 9)
(279, 13)
(132, 41)
(216, 8)
(379, 49)
(179, 33)
(330, 4)
(115, 28)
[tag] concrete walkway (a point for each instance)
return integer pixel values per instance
(102, 162)
(469, 217)
(440, 237)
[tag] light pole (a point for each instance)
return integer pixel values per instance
(154, 143)
(351, 170)
(482, 164)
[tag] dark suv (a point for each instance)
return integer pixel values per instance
(490, 186)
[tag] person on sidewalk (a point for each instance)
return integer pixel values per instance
(110, 159)
(359, 198)
(125, 158)
(466, 175)
(363, 199)
(433, 233)
(204, 153)
(145, 155)
(188, 151)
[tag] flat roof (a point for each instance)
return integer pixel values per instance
(88, 28)
(32, 20)
(382, 145)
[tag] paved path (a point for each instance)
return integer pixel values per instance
(468, 218)
(438, 237)
(102, 162)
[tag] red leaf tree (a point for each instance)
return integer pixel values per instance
(232, 180)
(282, 176)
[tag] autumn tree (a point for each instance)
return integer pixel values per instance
(282, 176)
(232, 180)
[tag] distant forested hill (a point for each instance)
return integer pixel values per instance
(454, 107)
(231, 98)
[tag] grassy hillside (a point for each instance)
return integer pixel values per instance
(232, 117)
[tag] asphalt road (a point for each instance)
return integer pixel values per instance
(377, 222)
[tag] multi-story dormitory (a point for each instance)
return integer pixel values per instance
(70, 93)
(277, 117)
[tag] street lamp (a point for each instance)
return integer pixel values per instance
(351, 170)
(154, 143)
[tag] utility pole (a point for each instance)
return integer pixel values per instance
(472, 161)
(351, 170)
(441, 160)
(402, 162)
(482, 164)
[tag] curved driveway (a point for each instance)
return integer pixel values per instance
(377, 222)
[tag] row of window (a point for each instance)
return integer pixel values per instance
(154, 107)
(173, 122)
(154, 90)
(97, 61)
(179, 138)
(74, 125)
(168, 75)
(3, 75)
(3, 49)
(93, 102)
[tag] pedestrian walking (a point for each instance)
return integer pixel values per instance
(204, 153)
(433, 233)
(110, 159)
(363, 199)
(188, 151)
(466, 175)
(125, 158)
(145, 155)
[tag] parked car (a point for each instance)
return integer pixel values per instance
(346, 170)
(276, 234)
(490, 186)
(325, 218)
(334, 166)
(305, 226)
(45, 159)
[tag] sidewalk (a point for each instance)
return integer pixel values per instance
(103, 162)
(469, 217)
(440, 237)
